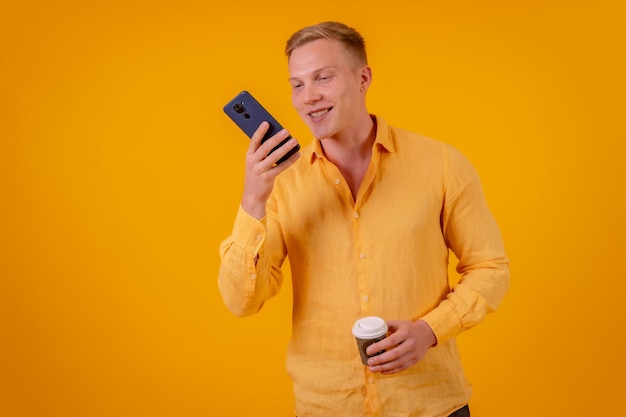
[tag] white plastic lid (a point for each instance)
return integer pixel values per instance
(369, 327)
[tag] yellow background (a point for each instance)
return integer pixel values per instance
(120, 175)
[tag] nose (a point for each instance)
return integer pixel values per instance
(311, 94)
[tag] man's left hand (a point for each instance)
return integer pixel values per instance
(406, 345)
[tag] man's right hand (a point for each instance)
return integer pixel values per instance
(261, 168)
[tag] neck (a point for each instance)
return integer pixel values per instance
(351, 154)
(351, 146)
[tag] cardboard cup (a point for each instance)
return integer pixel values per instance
(366, 331)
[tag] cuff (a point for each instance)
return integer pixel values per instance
(248, 232)
(444, 322)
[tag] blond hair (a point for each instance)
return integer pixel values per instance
(349, 37)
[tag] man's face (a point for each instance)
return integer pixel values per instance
(328, 87)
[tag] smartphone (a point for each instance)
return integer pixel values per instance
(248, 114)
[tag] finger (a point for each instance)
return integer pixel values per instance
(267, 169)
(395, 370)
(392, 353)
(257, 137)
(280, 152)
(393, 339)
(384, 344)
(392, 366)
(394, 325)
(286, 164)
(266, 147)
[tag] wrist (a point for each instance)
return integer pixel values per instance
(253, 207)
(428, 332)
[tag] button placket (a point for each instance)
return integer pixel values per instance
(361, 265)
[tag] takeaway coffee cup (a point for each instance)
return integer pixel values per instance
(366, 331)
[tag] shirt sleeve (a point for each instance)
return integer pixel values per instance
(247, 277)
(473, 236)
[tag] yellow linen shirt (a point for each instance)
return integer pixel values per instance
(385, 254)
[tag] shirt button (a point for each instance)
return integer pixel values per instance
(371, 380)
(366, 298)
(253, 276)
(356, 215)
(362, 256)
(337, 181)
(259, 237)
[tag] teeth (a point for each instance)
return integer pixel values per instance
(319, 113)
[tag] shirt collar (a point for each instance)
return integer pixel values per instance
(383, 140)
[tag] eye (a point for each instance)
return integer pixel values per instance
(324, 78)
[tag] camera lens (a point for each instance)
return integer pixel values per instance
(239, 108)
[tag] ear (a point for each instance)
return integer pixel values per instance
(366, 77)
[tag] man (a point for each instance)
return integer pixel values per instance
(367, 215)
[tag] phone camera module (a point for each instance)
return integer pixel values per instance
(239, 108)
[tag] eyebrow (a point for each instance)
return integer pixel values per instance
(317, 71)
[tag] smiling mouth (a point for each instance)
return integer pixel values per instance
(320, 112)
